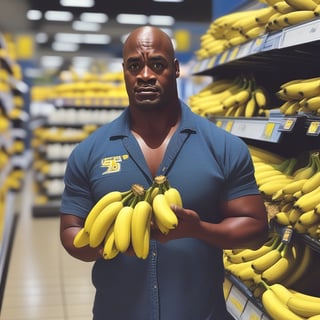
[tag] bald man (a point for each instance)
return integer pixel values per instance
(182, 277)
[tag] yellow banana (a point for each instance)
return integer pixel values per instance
(283, 7)
(275, 308)
(99, 206)
(264, 262)
(140, 222)
(260, 96)
(271, 187)
(312, 103)
(173, 196)
(267, 156)
(281, 268)
(302, 307)
(103, 222)
(309, 218)
(250, 107)
(304, 296)
(303, 89)
(163, 212)
(294, 215)
(282, 292)
(81, 239)
(146, 242)
(122, 228)
(296, 17)
(302, 4)
(255, 32)
(308, 201)
(282, 218)
(238, 98)
(264, 14)
(110, 249)
(294, 186)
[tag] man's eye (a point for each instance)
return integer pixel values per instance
(133, 66)
(158, 66)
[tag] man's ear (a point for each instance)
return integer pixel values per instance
(176, 62)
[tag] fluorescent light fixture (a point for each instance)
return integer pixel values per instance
(77, 3)
(161, 20)
(68, 37)
(34, 15)
(86, 26)
(96, 39)
(41, 37)
(51, 61)
(52, 15)
(95, 17)
(175, 1)
(131, 18)
(62, 46)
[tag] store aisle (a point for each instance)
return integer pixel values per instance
(43, 281)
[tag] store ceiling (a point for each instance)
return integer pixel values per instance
(183, 12)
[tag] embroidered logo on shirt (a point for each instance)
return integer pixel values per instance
(113, 164)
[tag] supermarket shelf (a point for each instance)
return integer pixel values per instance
(241, 303)
(6, 239)
(304, 33)
(49, 209)
(259, 128)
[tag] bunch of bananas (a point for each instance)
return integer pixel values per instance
(123, 219)
(238, 27)
(279, 260)
(291, 12)
(299, 200)
(282, 303)
(237, 97)
(233, 29)
(300, 95)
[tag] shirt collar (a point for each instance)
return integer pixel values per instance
(122, 127)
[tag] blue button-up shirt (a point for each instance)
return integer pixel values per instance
(181, 279)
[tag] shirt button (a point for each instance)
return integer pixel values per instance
(155, 286)
(154, 253)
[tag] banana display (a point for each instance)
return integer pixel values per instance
(237, 97)
(238, 27)
(300, 95)
(295, 190)
(282, 303)
(123, 219)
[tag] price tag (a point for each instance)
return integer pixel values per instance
(224, 57)
(258, 43)
(219, 123)
(288, 124)
(229, 125)
(314, 128)
(287, 234)
(268, 130)
(233, 53)
(251, 312)
(244, 50)
(236, 302)
(196, 67)
(212, 62)
(272, 41)
(306, 32)
(227, 285)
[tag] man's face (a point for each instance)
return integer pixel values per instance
(150, 71)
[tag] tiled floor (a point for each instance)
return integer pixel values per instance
(43, 281)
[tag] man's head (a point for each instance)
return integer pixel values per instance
(150, 67)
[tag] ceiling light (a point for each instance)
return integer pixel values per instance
(77, 3)
(62, 46)
(168, 0)
(131, 18)
(41, 37)
(161, 20)
(94, 17)
(51, 61)
(68, 37)
(86, 26)
(34, 14)
(58, 15)
(96, 39)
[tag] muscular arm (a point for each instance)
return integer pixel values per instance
(244, 225)
(69, 226)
